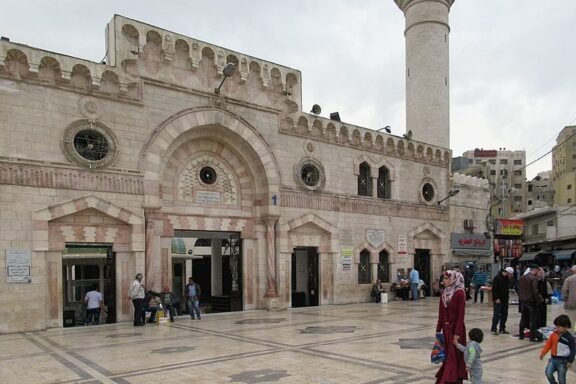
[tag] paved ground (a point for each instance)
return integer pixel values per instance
(363, 343)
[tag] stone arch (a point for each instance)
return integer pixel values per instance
(374, 251)
(331, 132)
(81, 77)
(390, 146)
(426, 236)
(447, 157)
(303, 125)
(49, 70)
(343, 136)
(110, 82)
(182, 54)
(379, 143)
(16, 63)
(153, 48)
(317, 128)
(386, 163)
(131, 34)
(438, 156)
(429, 154)
(420, 151)
(410, 149)
(356, 137)
(330, 246)
(400, 147)
(368, 160)
(42, 217)
(173, 131)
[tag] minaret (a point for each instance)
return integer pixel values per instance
(427, 81)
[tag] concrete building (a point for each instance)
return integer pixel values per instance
(540, 191)
(506, 173)
(564, 167)
(550, 235)
(470, 240)
(103, 167)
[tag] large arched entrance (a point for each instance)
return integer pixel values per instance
(211, 183)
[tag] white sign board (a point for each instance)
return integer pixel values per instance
(402, 245)
(18, 266)
(346, 258)
(207, 197)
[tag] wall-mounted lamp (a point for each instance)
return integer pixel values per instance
(452, 193)
(227, 72)
(335, 116)
(316, 110)
(386, 128)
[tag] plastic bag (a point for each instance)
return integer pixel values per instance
(438, 352)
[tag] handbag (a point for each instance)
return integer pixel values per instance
(438, 351)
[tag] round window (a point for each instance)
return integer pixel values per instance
(208, 175)
(310, 175)
(428, 192)
(91, 145)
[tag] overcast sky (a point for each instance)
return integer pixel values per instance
(512, 63)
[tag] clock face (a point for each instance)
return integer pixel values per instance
(89, 144)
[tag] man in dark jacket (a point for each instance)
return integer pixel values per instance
(529, 299)
(500, 297)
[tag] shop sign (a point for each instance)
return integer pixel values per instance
(18, 266)
(470, 241)
(509, 227)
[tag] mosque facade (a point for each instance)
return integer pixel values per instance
(170, 161)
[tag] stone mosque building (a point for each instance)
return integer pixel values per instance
(170, 161)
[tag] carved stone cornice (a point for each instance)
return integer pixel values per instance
(404, 4)
(360, 205)
(45, 176)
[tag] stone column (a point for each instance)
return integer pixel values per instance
(271, 258)
(216, 260)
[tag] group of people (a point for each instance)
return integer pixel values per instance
(463, 359)
(150, 301)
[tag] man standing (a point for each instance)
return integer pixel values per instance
(137, 294)
(500, 299)
(94, 305)
(414, 281)
(569, 295)
(529, 299)
(479, 279)
(192, 295)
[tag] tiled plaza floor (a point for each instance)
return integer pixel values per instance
(362, 343)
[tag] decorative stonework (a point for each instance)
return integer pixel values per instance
(90, 144)
(353, 204)
(91, 108)
(309, 174)
(428, 191)
(43, 176)
(194, 187)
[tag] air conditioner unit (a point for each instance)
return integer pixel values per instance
(468, 224)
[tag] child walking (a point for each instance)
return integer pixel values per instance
(563, 348)
(472, 354)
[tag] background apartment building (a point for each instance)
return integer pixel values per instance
(564, 167)
(506, 174)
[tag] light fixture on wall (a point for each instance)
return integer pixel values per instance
(227, 72)
(316, 110)
(452, 193)
(386, 128)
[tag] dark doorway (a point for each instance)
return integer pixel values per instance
(422, 265)
(305, 277)
(84, 265)
(201, 273)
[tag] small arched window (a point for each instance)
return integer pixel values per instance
(364, 180)
(384, 187)
(383, 267)
(364, 273)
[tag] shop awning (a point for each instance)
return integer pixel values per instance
(529, 256)
(565, 254)
(471, 252)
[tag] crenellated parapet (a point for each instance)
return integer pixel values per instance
(470, 181)
(21, 62)
(322, 129)
(170, 58)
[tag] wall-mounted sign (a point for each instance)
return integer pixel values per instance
(346, 258)
(402, 244)
(346, 237)
(375, 237)
(207, 197)
(509, 227)
(470, 241)
(18, 266)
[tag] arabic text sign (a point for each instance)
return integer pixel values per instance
(18, 266)
(509, 227)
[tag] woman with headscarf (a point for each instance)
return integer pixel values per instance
(451, 324)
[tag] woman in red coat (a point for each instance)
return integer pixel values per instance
(451, 323)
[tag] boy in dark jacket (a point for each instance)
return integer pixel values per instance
(500, 298)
